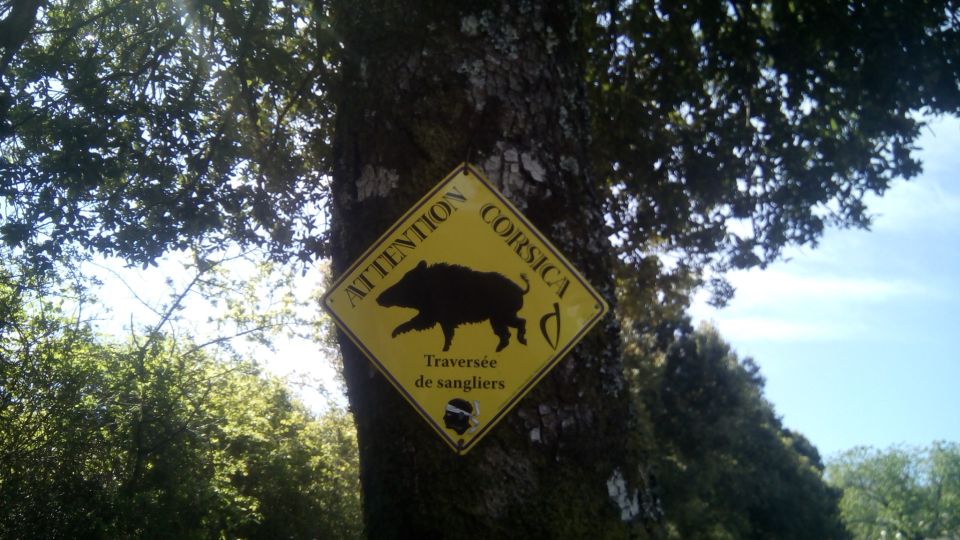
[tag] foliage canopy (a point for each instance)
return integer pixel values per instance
(910, 493)
(155, 438)
(722, 130)
(730, 129)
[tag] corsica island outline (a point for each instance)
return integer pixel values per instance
(451, 295)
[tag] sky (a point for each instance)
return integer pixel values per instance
(133, 295)
(858, 337)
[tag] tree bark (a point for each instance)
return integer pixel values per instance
(426, 86)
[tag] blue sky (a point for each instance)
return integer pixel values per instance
(858, 337)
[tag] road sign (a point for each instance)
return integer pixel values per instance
(463, 306)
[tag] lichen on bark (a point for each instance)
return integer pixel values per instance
(497, 83)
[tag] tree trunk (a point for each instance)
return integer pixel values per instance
(428, 85)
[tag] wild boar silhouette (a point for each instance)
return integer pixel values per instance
(451, 295)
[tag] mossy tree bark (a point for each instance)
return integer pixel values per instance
(428, 85)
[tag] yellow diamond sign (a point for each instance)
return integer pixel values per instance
(463, 306)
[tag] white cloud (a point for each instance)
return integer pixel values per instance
(785, 306)
(739, 329)
(929, 202)
(777, 286)
(917, 206)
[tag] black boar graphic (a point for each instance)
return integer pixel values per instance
(451, 295)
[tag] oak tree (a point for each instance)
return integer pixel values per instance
(900, 492)
(670, 137)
